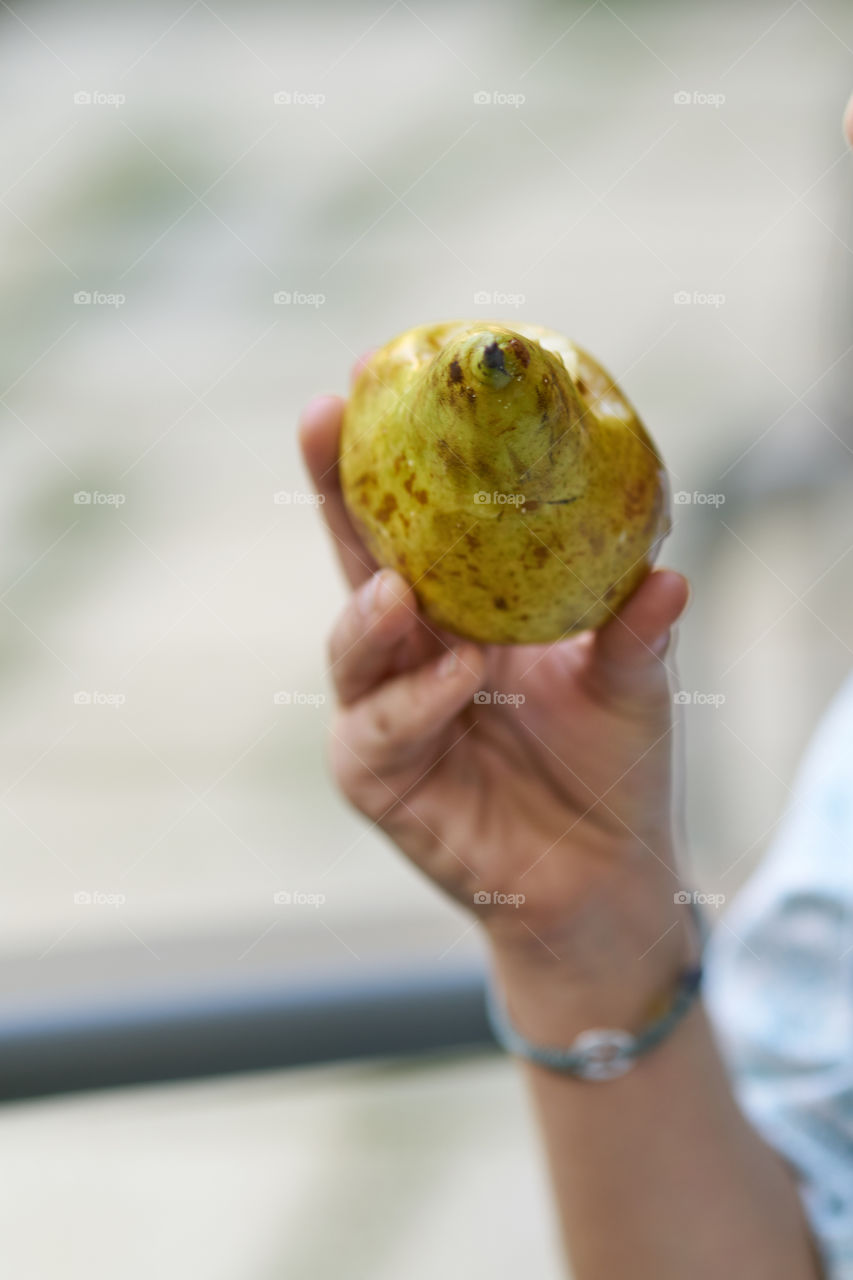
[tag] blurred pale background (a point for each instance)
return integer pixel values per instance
(624, 155)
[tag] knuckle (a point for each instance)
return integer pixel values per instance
(341, 638)
(388, 729)
(367, 793)
(348, 653)
(382, 725)
(351, 775)
(370, 746)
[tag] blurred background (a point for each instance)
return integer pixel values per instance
(208, 210)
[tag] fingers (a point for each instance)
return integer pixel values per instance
(362, 648)
(398, 724)
(629, 648)
(319, 436)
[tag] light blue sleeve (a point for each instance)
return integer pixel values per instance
(780, 986)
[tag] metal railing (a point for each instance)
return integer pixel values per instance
(74, 1042)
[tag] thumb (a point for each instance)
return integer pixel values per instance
(627, 651)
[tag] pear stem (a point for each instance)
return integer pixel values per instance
(493, 366)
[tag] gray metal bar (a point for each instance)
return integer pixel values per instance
(50, 1048)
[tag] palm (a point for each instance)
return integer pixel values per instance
(513, 782)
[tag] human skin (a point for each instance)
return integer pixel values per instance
(566, 799)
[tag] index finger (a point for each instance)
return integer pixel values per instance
(319, 436)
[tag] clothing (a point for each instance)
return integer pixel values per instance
(779, 986)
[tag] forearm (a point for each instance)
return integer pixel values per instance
(657, 1174)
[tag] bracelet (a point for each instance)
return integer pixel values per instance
(600, 1053)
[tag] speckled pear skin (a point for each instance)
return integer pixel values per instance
(505, 476)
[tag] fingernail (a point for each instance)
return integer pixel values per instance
(661, 645)
(448, 664)
(317, 404)
(375, 595)
(365, 597)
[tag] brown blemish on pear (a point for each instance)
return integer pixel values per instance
(387, 509)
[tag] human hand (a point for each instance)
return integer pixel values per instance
(545, 806)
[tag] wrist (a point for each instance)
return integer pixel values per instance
(612, 965)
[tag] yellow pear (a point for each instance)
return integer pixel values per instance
(503, 473)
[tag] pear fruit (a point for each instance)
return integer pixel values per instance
(503, 473)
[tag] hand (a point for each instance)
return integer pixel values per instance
(546, 806)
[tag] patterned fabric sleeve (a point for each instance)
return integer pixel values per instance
(780, 987)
